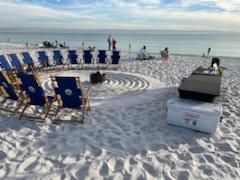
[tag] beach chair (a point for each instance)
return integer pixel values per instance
(87, 57)
(7, 67)
(69, 95)
(27, 59)
(115, 58)
(43, 59)
(57, 57)
(16, 62)
(72, 57)
(4, 63)
(102, 57)
(9, 91)
(35, 95)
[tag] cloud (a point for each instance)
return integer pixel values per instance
(128, 14)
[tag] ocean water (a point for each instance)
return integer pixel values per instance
(178, 42)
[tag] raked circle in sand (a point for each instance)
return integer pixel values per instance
(118, 87)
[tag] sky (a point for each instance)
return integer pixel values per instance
(217, 15)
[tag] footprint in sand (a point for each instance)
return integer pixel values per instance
(151, 170)
(3, 155)
(207, 170)
(185, 156)
(224, 147)
(96, 151)
(3, 171)
(196, 150)
(104, 171)
(116, 164)
(28, 164)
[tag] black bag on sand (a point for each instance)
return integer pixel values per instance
(97, 77)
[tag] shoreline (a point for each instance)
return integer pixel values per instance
(34, 46)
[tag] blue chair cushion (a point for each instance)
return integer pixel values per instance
(58, 57)
(34, 92)
(27, 58)
(102, 56)
(87, 56)
(4, 64)
(72, 56)
(115, 57)
(71, 95)
(15, 61)
(8, 88)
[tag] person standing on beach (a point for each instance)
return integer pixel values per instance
(165, 55)
(109, 42)
(114, 42)
(208, 52)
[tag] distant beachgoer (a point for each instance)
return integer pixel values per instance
(165, 55)
(143, 54)
(114, 42)
(56, 43)
(109, 42)
(208, 52)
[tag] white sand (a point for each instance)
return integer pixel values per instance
(126, 135)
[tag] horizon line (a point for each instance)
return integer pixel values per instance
(115, 29)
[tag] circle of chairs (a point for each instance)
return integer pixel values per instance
(20, 82)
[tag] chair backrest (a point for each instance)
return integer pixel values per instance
(115, 57)
(33, 90)
(102, 56)
(87, 56)
(42, 57)
(8, 87)
(27, 59)
(57, 56)
(4, 63)
(70, 93)
(15, 61)
(72, 56)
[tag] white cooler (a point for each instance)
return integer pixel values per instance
(197, 115)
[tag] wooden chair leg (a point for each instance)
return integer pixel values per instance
(4, 100)
(47, 112)
(55, 115)
(16, 110)
(25, 107)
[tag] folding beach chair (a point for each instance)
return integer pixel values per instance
(16, 62)
(4, 63)
(43, 59)
(57, 57)
(9, 91)
(115, 57)
(69, 95)
(72, 57)
(34, 95)
(87, 57)
(102, 57)
(27, 59)
(11, 72)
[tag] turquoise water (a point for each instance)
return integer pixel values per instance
(184, 42)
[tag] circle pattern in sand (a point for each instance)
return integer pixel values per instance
(117, 84)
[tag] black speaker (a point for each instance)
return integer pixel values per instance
(215, 60)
